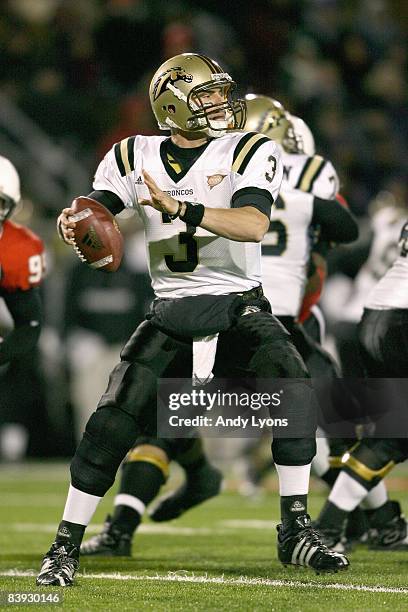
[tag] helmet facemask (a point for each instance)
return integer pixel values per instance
(7, 206)
(215, 118)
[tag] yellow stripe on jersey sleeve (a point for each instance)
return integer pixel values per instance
(310, 172)
(124, 155)
(247, 151)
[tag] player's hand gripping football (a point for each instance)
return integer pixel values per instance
(65, 226)
(161, 201)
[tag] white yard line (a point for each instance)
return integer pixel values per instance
(149, 528)
(221, 527)
(241, 581)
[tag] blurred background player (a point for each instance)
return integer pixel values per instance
(21, 272)
(383, 337)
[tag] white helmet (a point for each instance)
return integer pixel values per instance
(304, 136)
(9, 188)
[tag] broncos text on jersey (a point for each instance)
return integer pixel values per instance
(193, 261)
(21, 258)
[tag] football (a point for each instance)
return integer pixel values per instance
(98, 240)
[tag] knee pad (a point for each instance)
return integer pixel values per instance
(109, 434)
(150, 453)
(274, 354)
(370, 460)
(293, 451)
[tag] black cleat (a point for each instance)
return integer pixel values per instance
(205, 484)
(109, 543)
(59, 565)
(391, 534)
(301, 545)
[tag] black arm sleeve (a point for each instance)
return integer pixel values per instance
(253, 196)
(336, 222)
(26, 311)
(109, 199)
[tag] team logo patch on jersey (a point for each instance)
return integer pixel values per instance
(215, 179)
(170, 77)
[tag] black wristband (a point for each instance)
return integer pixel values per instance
(194, 214)
(176, 214)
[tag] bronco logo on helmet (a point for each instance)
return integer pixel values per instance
(171, 76)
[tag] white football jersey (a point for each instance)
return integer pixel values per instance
(386, 226)
(311, 174)
(286, 251)
(286, 247)
(392, 290)
(181, 263)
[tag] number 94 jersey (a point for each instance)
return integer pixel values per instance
(21, 258)
(192, 261)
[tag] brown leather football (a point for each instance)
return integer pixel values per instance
(98, 240)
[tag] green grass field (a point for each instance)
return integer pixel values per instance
(220, 556)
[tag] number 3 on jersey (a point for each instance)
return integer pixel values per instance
(275, 241)
(190, 260)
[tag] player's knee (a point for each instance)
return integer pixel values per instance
(150, 453)
(293, 451)
(278, 357)
(371, 460)
(109, 434)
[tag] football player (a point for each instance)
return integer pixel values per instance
(284, 278)
(204, 260)
(383, 335)
(21, 271)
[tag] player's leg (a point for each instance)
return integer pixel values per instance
(361, 480)
(202, 481)
(109, 434)
(384, 348)
(259, 346)
(143, 472)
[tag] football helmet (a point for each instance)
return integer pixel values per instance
(183, 96)
(268, 116)
(9, 188)
(304, 136)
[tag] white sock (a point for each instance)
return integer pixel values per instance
(293, 479)
(80, 506)
(123, 499)
(376, 497)
(347, 493)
